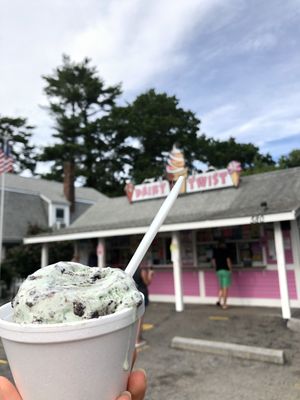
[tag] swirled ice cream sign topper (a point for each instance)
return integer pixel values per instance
(216, 179)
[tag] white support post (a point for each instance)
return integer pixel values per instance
(101, 253)
(283, 284)
(295, 236)
(45, 255)
(176, 259)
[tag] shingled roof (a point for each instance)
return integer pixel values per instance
(279, 189)
(52, 190)
(16, 224)
(24, 203)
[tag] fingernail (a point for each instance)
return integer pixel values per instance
(128, 394)
(142, 370)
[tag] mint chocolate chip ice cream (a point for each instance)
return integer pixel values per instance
(68, 292)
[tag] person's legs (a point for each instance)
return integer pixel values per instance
(226, 283)
(220, 293)
(220, 275)
(225, 296)
(140, 341)
(139, 335)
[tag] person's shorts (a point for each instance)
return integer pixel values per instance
(224, 277)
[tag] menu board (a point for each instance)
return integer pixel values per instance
(257, 255)
(270, 244)
(187, 253)
(205, 235)
(157, 251)
(204, 254)
(229, 233)
(243, 243)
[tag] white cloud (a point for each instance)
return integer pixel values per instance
(276, 120)
(186, 47)
(260, 42)
(131, 41)
(134, 40)
(223, 115)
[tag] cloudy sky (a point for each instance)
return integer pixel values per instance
(235, 63)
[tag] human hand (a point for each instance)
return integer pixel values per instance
(151, 272)
(7, 390)
(136, 388)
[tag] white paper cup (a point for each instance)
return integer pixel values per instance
(86, 360)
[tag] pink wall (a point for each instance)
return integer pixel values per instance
(252, 284)
(163, 283)
(245, 284)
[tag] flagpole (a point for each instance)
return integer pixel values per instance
(1, 221)
(5, 150)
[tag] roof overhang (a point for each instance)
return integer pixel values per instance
(284, 216)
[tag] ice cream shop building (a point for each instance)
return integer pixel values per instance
(257, 216)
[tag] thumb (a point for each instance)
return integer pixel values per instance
(124, 396)
(8, 391)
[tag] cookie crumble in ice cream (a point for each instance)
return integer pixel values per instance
(68, 292)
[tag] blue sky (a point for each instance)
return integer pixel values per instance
(235, 63)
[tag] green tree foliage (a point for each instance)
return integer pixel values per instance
(19, 133)
(110, 144)
(78, 100)
(146, 130)
(291, 160)
(220, 153)
(21, 261)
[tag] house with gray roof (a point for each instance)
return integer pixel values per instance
(259, 221)
(40, 202)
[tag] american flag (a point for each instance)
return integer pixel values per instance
(6, 160)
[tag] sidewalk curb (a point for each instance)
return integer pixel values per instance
(294, 324)
(229, 349)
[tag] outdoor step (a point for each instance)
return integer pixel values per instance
(294, 324)
(229, 349)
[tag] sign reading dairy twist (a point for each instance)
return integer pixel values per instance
(210, 180)
(151, 190)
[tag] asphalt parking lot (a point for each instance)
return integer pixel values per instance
(180, 374)
(177, 374)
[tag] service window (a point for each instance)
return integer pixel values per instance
(243, 243)
(160, 251)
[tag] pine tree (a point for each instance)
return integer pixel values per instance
(78, 101)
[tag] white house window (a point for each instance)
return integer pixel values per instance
(60, 215)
